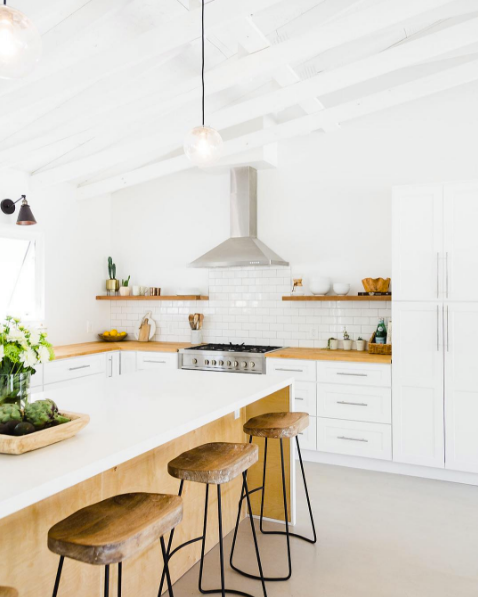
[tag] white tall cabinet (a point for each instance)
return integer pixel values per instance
(435, 326)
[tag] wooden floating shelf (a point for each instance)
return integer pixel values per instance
(337, 298)
(189, 297)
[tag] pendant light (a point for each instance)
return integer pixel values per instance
(203, 144)
(25, 215)
(20, 43)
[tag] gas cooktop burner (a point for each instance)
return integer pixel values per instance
(234, 358)
(235, 348)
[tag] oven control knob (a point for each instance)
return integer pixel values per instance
(221, 363)
(252, 365)
(229, 363)
(195, 361)
(206, 362)
(236, 363)
(243, 364)
(213, 363)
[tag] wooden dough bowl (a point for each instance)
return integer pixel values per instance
(26, 443)
(376, 284)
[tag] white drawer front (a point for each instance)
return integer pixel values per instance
(308, 437)
(36, 380)
(354, 403)
(66, 369)
(371, 440)
(300, 370)
(157, 360)
(360, 374)
(306, 397)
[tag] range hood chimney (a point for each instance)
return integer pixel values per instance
(243, 248)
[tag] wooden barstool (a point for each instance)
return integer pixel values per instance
(8, 592)
(215, 464)
(276, 426)
(115, 529)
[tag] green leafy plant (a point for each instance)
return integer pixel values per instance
(111, 269)
(346, 334)
(328, 342)
(125, 282)
(360, 338)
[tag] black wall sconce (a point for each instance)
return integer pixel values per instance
(25, 216)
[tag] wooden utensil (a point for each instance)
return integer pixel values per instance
(196, 319)
(191, 321)
(201, 319)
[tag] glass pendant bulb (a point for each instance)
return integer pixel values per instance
(203, 145)
(20, 44)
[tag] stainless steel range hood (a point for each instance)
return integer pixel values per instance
(243, 248)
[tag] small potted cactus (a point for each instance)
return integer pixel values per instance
(332, 344)
(125, 289)
(112, 284)
(360, 344)
(347, 340)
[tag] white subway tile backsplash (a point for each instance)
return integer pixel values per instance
(245, 305)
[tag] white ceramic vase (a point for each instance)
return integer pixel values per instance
(360, 345)
(124, 290)
(347, 344)
(333, 344)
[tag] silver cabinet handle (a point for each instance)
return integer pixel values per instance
(438, 328)
(294, 370)
(161, 362)
(438, 275)
(111, 366)
(80, 367)
(352, 403)
(120, 361)
(447, 330)
(352, 439)
(297, 398)
(446, 265)
(353, 374)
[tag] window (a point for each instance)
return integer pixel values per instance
(21, 274)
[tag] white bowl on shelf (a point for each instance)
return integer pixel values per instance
(319, 286)
(341, 289)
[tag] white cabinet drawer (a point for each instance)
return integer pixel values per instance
(371, 440)
(299, 370)
(66, 369)
(360, 374)
(308, 437)
(306, 397)
(354, 403)
(157, 360)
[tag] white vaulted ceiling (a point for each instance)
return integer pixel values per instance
(119, 83)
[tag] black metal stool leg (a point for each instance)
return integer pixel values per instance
(58, 576)
(170, 542)
(120, 577)
(166, 567)
(253, 528)
(314, 540)
(107, 580)
(203, 545)
(263, 485)
(221, 546)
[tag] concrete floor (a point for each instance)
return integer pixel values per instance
(379, 535)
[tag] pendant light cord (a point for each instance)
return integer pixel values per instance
(202, 72)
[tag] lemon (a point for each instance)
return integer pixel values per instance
(113, 332)
(122, 333)
(106, 333)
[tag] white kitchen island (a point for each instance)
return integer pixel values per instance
(138, 423)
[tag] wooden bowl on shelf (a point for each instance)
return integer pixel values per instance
(376, 284)
(116, 338)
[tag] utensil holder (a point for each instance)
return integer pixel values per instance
(196, 336)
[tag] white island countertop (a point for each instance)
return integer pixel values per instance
(130, 415)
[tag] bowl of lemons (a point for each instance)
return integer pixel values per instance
(113, 336)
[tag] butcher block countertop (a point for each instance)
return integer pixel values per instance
(86, 348)
(323, 354)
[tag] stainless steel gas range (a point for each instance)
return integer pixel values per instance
(234, 358)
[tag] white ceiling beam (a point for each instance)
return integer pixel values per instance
(173, 34)
(158, 145)
(426, 86)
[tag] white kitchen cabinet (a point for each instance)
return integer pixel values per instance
(361, 374)
(461, 386)
(127, 363)
(156, 360)
(368, 404)
(308, 437)
(417, 238)
(418, 433)
(305, 398)
(461, 242)
(354, 438)
(112, 364)
(65, 370)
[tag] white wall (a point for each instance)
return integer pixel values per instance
(77, 241)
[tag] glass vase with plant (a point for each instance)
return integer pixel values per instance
(22, 350)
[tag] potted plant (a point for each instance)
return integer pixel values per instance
(347, 341)
(21, 351)
(332, 344)
(112, 284)
(125, 289)
(360, 344)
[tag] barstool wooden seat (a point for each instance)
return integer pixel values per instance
(283, 425)
(215, 464)
(277, 425)
(114, 530)
(8, 592)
